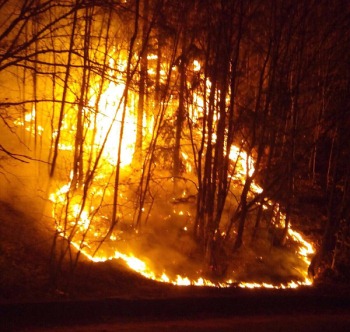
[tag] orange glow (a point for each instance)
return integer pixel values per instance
(109, 117)
(81, 218)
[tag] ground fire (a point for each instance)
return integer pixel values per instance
(178, 139)
(82, 211)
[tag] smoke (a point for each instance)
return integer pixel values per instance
(23, 175)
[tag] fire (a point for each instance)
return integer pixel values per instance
(141, 267)
(291, 284)
(138, 265)
(245, 165)
(77, 210)
(107, 121)
(306, 250)
(188, 164)
(196, 65)
(28, 123)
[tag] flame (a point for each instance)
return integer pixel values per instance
(196, 65)
(102, 125)
(245, 164)
(305, 250)
(109, 118)
(28, 123)
(188, 164)
(142, 268)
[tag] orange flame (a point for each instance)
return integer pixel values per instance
(104, 116)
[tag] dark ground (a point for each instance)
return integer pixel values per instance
(304, 309)
(108, 297)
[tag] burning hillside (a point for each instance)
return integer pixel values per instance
(114, 206)
(172, 136)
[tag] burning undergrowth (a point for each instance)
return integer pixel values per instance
(158, 206)
(165, 249)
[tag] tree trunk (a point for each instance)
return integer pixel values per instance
(64, 94)
(180, 117)
(142, 84)
(129, 74)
